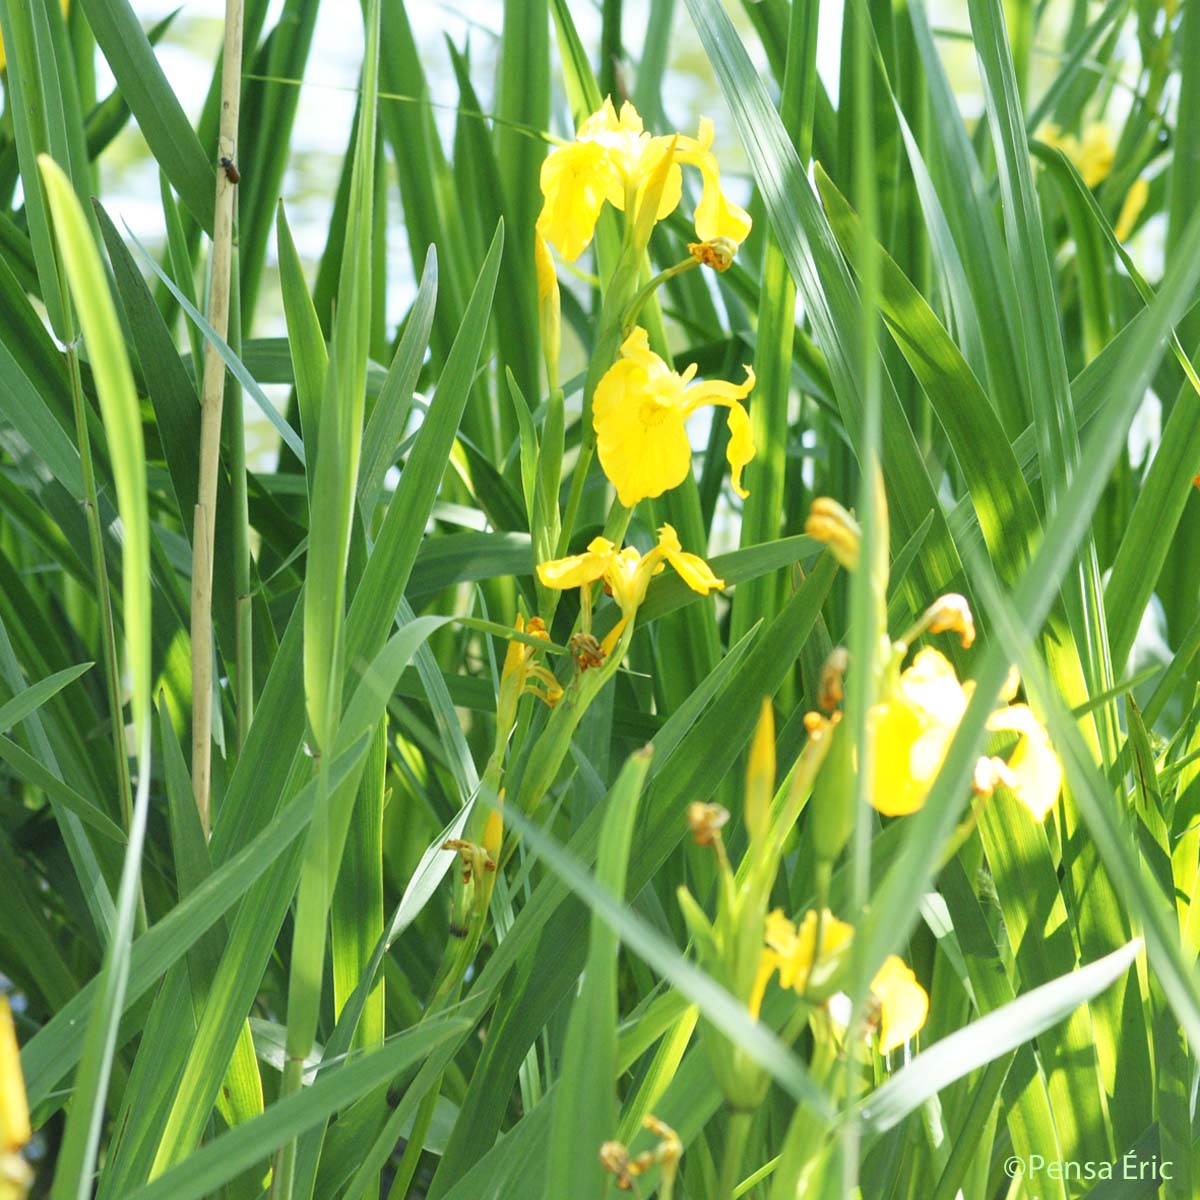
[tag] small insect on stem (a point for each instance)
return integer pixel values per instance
(231, 171)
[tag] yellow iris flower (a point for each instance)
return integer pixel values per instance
(613, 157)
(915, 723)
(899, 1002)
(1093, 154)
(640, 413)
(627, 573)
(903, 1004)
(791, 951)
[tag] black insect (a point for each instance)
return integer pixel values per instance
(231, 171)
(458, 931)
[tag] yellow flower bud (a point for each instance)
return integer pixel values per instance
(760, 773)
(493, 833)
(521, 674)
(549, 308)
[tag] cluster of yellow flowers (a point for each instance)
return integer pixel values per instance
(641, 405)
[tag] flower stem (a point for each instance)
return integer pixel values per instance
(578, 479)
(650, 287)
(737, 1132)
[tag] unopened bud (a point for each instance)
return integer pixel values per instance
(832, 802)
(549, 308)
(760, 773)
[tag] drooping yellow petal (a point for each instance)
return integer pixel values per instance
(903, 1004)
(639, 421)
(895, 727)
(716, 215)
(578, 569)
(728, 396)
(1034, 767)
(691, 568)
(576, 179)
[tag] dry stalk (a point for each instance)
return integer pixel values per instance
(211, 403)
